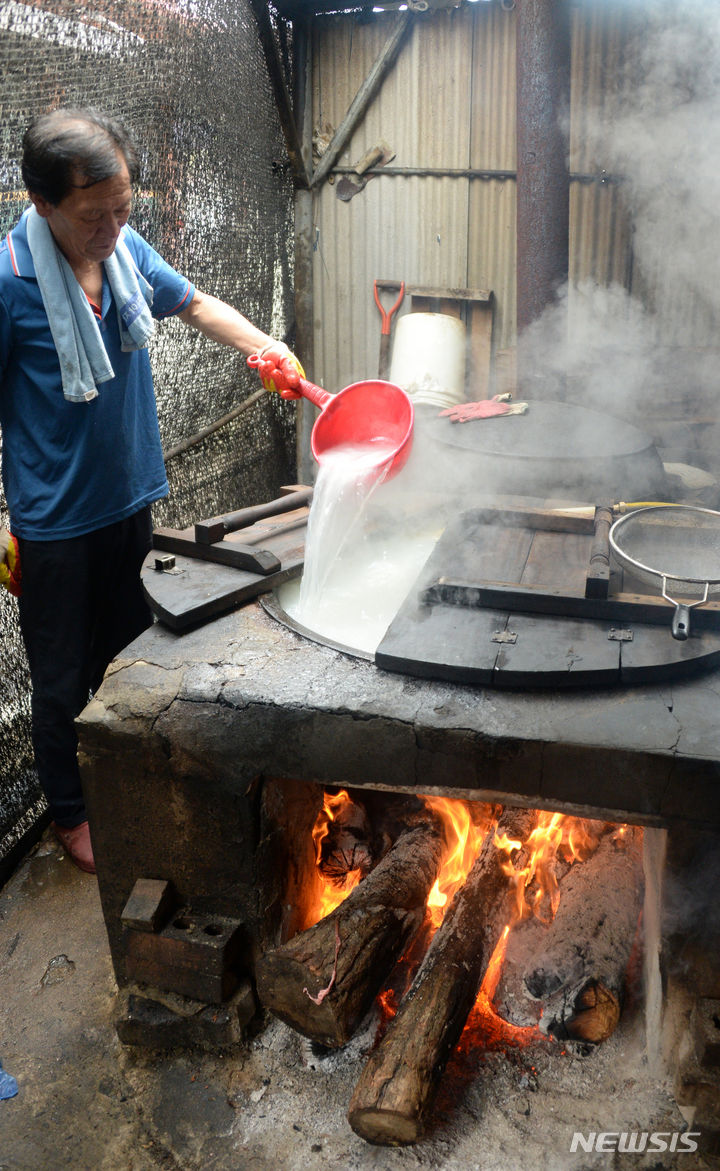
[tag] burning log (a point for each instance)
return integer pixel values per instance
(323, 981)
(579, 971)
(354, 832)
(511, 999)
(345, 846)
(557, 845)
(396, 1086)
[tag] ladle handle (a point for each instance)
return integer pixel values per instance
(680, 628)
(316, 394)
(681, 622)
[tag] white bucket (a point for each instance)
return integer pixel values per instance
(428, 358)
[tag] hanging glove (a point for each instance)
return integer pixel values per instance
(279, 369)
(488, 408)
(10, 575)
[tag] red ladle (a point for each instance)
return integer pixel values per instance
(375, 417)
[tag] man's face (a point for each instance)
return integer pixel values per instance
(87, 222)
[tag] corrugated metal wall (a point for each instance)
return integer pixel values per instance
(448, 103)
(599, 233)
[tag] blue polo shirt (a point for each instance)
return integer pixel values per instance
(71, 468)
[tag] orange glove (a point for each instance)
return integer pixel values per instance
(10, 575)
(279, 369)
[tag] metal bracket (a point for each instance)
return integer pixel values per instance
(166, 563)
(504, 636)
(620, 635)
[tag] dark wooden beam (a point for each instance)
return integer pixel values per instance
(304, 242)
(364, 97)
(286, 113)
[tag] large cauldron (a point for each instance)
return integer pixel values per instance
(557, 449)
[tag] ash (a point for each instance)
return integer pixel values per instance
(495, 1110)
(277, 1103)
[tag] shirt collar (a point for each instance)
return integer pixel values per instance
(20, 258)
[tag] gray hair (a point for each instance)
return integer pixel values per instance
(74, 141)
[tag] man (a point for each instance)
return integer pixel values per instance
(82, 458)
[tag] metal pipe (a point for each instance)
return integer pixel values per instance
(543, 201)
(193, 440)
(600, 177)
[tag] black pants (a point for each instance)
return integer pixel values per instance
(81, 603)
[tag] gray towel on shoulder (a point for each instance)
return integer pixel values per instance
(84, 362)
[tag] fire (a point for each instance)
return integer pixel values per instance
(387, 1002)
(331, 893)
(485, 1020)
(535, 882)
(556, 840)
(464, 828)
(485, 1029)
(331, 804)
(534, 868)
(494, 968)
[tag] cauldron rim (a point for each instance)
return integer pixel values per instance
(272, 605)
(505, 436)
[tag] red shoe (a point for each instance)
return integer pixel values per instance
(75, 840)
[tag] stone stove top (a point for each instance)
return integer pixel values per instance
(247, 689)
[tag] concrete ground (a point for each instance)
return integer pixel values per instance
(86, 1102)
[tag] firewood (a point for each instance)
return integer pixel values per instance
(391, 1098)
(511, 1000)
(344, 855)
(323, 981)
(579, 971)
(345, 846)
(594, 1015)
(362, 830)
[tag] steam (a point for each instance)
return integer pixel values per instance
(602, 341)
(691, 908)
(666, 143)
(691, 904)
(616, 349)
(604, 346)
(660, 134)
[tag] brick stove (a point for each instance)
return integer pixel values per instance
(204, 757)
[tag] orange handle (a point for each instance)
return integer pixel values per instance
(388, 316)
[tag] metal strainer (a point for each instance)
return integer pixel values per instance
(675, 547)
